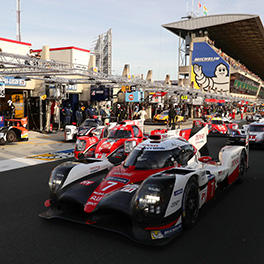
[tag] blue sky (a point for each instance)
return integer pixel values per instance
(138, 38)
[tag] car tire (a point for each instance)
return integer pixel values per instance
(242, 167)
(190, 203)
(11, 136)
(2, 141)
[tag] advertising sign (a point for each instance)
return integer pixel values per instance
(101, 93)
(2, 89)
(135, 97)
(18, 102)
(1, 121)
(210, 72)
(11, 81)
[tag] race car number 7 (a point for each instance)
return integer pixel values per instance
(110, 184)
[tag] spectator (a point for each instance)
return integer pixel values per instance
(79, 116)
(171, 117)
(142, 114)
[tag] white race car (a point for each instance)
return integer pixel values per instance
(256, 132)
(155, 193)
(72, 131)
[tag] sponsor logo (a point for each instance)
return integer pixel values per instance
(252, 138)
(178, 192)
(156, 235)
(175, 203)
(94, 169)
(99, 193)
(86, 183)
(159, 234)
(91, 203)
(122, 173)
(171, 230)
(96, 198)
(118, 179)
(235, 162)
(129, 188)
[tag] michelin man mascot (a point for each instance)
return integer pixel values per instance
(218, 83)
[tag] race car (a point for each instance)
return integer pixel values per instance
(120, 142)
(164, 117)
(72, 131)
(256, 132)
(85, 145)
(253, 118)
(14, 130)
(115, 140)
(221, 126)
(153, 195)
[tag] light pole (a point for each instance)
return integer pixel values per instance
(18, 33)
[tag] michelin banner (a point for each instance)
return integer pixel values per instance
(210, 72)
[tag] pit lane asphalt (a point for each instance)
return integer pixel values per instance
(229, 230)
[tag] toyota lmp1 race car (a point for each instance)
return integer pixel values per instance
(115, 141)
(72, 131)
(256, 132)
(154, 194)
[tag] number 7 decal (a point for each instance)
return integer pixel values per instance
(110, 184)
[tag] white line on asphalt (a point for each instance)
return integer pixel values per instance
(15, 163)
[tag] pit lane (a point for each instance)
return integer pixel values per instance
(230, 228)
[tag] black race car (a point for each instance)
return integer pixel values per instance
(150, 197)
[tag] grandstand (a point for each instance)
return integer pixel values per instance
(221, 54)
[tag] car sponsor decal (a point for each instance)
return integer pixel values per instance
(107, 186)
(178, 192)
(94, 169)
(130, 188)
(252, 138)
(86, 183)
(165, 233)
(118, 179)
(156, 235)
(122, 173)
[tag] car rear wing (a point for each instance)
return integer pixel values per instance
(199, 139)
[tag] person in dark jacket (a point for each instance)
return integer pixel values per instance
(172, 114)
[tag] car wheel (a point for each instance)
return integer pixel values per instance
(190, 204)
(242, 167)
(2, 141)
(11, 136)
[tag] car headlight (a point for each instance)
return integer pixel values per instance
(55, 180)
(80, 145)
(149, 202)
(151, 199)
(129, 146)
(59, 175)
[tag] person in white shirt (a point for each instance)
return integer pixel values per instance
(142, 114)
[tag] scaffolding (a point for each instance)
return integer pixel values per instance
(103, 52)
(50, 71)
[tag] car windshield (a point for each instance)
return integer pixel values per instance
(147, 159)
(256, 128)
(165, 113)
(97, 132)
(217, 122)
(89, 123)
(116, 133)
